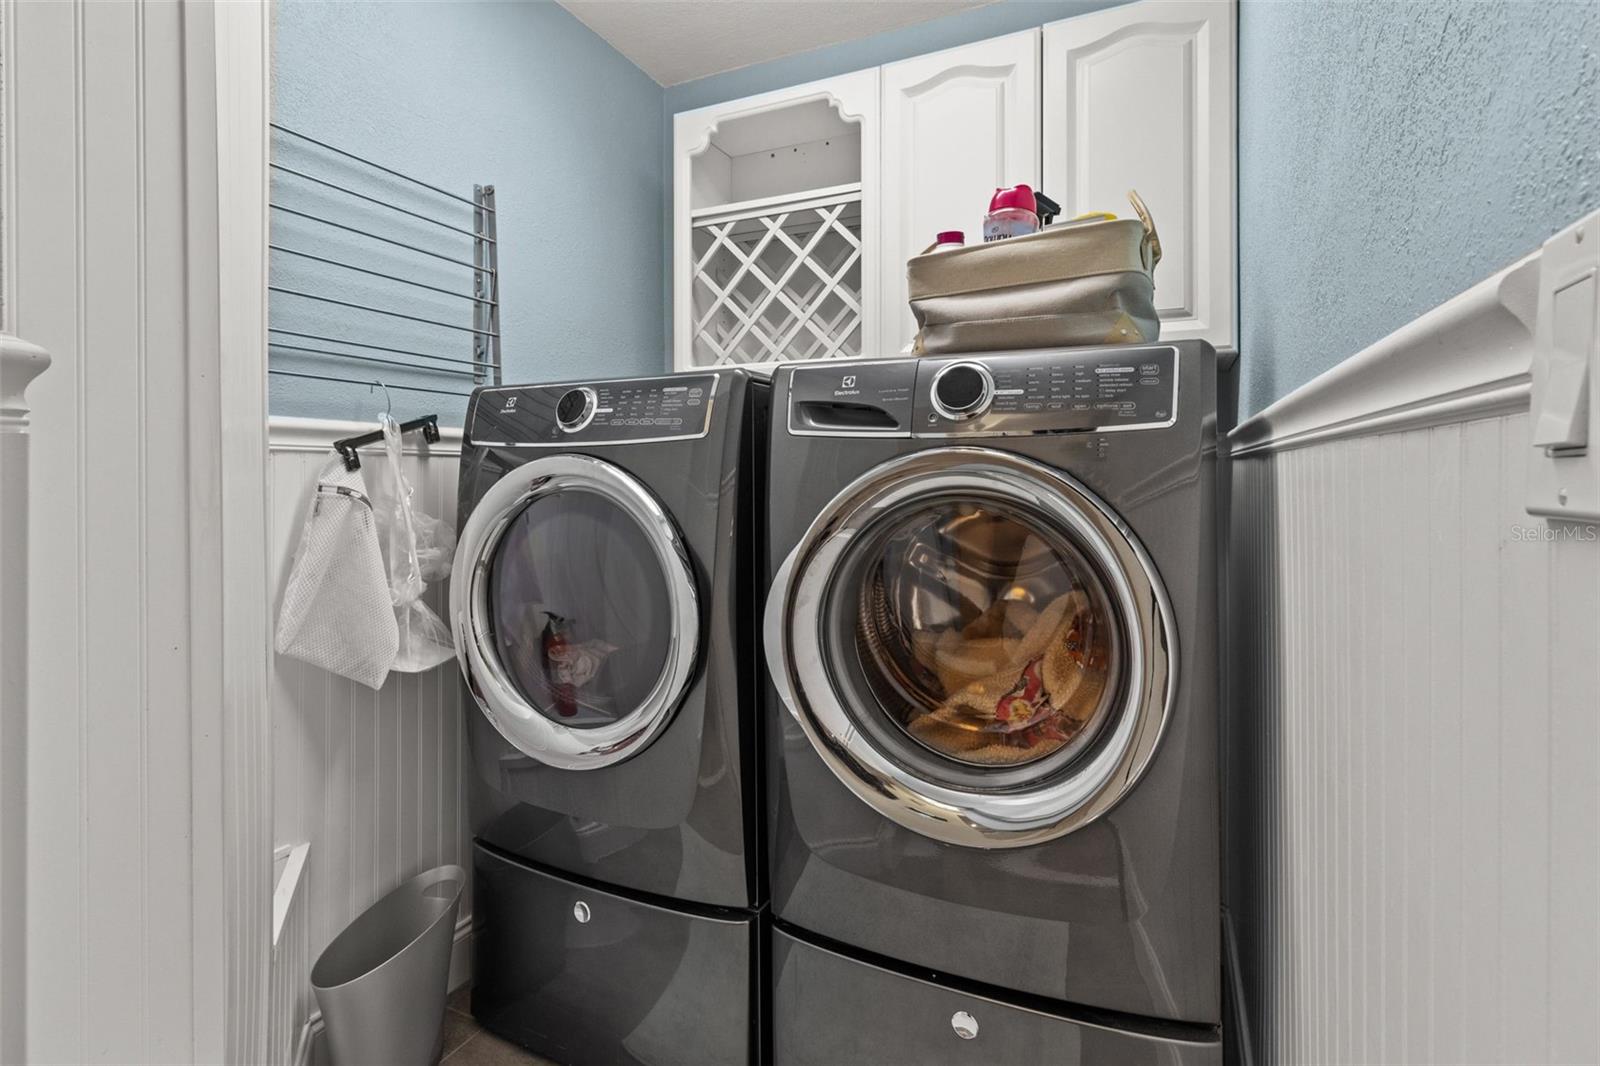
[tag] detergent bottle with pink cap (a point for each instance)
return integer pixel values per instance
(1013, 212)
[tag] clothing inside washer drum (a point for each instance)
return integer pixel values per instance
(986, 637)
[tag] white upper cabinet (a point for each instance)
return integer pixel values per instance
(775, 201)
(956, 125)
(795, 211)
(1141, 96)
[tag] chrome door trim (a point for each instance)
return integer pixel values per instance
(793, 625)
(511, 714)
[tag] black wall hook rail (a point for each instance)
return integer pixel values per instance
(429, 424)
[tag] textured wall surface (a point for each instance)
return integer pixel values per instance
(520, 96)
(1392, 154)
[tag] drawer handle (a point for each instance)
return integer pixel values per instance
(965, 1025)
(580, 911)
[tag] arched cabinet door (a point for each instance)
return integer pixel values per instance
(1141, 96)
(956, 125)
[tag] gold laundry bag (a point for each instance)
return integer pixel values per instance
(1090, 281)
(987, 638)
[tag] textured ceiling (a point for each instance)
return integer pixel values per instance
(675, 41)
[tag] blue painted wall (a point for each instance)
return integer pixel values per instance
(520, 96)
(1391, 155)
(1008, 16)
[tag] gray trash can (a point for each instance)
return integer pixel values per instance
(382, 982)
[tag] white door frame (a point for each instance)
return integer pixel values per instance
(134, 246)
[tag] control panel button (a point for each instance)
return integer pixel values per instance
(962, 390)
(575, 409)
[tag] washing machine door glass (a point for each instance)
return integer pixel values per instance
(575, 609)
(984, 634)
(976, 646)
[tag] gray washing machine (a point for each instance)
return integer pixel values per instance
(992, 726)
(601, 597)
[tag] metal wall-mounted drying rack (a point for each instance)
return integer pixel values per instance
(484, 366)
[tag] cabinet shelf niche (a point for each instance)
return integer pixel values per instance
(776, 237)
(778, 283)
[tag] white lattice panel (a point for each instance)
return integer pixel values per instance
(780, 285)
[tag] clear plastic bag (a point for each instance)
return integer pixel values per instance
(417, 549)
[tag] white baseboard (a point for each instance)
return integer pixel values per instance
(311, 1049)
(461, 955)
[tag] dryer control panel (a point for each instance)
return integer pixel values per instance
(600, 412)
(989, 395)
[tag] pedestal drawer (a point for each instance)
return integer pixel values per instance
(832, 1010)
(582, 975)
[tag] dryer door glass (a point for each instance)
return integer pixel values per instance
(983, 633)
(575, 611)
(578, 608)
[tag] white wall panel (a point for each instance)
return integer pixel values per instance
(372, 780)
(135, 192)
(1415, 799)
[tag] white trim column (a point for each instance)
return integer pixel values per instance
(135, 252)
(20, 363)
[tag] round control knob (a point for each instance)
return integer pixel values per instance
(962, 390)
(580, 911)
(965, 1025)
(575, 409)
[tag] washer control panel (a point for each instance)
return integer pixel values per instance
(1073, 390)
(1063, 391)
(603, 412)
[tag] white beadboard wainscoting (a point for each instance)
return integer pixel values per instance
(372, 781)
(1414, 823)
(134, 250)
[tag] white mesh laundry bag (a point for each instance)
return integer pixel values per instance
(416, 548)
(337, 612)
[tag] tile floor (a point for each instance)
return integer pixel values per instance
(467, 1045)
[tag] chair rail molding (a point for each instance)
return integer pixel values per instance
(287, 434)
(20, 363)
(1469, 357)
